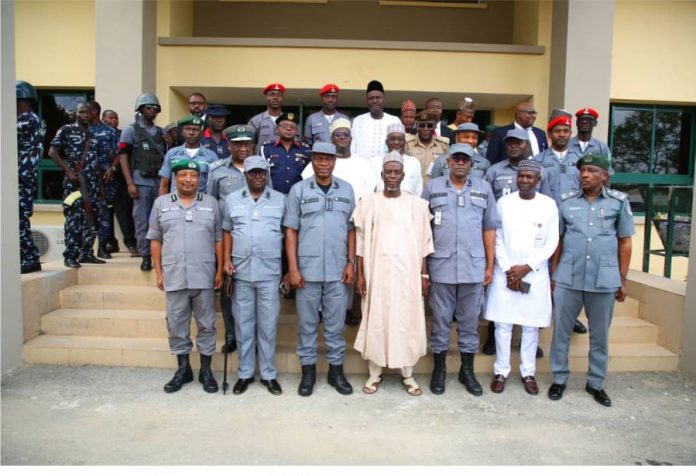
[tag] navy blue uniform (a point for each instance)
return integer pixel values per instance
(106, 136)
(286, 166)
(220, 148)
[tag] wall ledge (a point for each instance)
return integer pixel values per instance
(657, 282)
(354, 44)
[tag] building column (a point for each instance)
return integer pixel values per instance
(11, 326)
(125, 44)
(581, 48)
(687, 360)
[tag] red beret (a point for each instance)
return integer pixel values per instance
(559, 121)
(587, 111)
(274, 87)
(328, 88)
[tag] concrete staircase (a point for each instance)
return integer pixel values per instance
(115, 316)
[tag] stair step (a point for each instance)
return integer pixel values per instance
(142, 323)
(154, 352)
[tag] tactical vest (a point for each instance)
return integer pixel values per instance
(147, 155)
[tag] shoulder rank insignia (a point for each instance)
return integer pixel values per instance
(199, 196)
(173, 197)
(572, 193)
(617, 194)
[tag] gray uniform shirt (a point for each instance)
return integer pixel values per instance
(317, 127)
(188, 236)
(264, 127)
(257, 237)
(223, 179)
(459, 219)
(479, 167)
(323, 221)
(566, 173)
(590, 231)
(502, 178)
(204, 157)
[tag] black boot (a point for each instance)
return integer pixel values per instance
(146, 264)
(339, 381)
(437, 381)
(467, 376)
(183, 374)
(489, 346)
(102, 251)
(205, 375)
(309, 378)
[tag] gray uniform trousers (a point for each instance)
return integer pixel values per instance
(599, 308)
(142, 207)
(179, 306)
(331, 296)
(256, 306)
(462, 301)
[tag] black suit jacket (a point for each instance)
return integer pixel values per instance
(496, 147)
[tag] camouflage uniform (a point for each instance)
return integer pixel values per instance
(108, 143)
(30, 135)
(79, 237)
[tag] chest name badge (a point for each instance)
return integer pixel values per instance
(438, 217)
(460, 200)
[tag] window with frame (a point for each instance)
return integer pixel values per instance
(652, 149)
(56, 108)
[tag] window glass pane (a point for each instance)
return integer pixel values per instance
(632, 135)
(672, 140)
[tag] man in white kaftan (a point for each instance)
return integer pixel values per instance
(393, 239)
(520, 292)
(370, 129)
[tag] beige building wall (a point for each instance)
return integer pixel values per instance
(653, 55)
(55, 45)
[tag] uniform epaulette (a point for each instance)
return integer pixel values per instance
(173, 197)
(199, 197)
(617, 194)
(267, 142)
(572, 193)
(216, 164)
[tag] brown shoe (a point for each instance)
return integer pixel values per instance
(498, 384)
(530, 385)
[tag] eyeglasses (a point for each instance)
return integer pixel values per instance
(196, 103)
(426, 125)
(341, 135)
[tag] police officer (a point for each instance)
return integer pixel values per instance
(318, 124)
(502, 178)
(227, 176)
(286, 157)
(425, 145)
(264, 123)
(141, 151)
(76, 151)
(186, 240)
(106, 135)
(252, 243)
(589, 270)
(213, 137)
(466, 133)
(320, 245)
(30, 135)
(464, 222)
(191, 127)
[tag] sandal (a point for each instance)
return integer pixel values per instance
(372, 385)
(411, 386)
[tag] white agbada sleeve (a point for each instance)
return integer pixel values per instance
(501, 255)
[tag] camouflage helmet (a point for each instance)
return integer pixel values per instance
(147, 99)
(26, 91)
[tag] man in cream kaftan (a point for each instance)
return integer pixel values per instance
(525, 241)
(393, 239)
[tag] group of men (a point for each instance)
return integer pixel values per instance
(393, 209)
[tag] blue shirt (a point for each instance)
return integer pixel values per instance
(30, 136)
(459, 220)
(219, 148)
(322, 221)
(566, 175)
(286, 166)
(257, 237)
(203, 157)
(590, 230)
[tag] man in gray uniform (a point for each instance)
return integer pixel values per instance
(186, 241)
(466, 133)
(318, 125)
(141, 151)
(252, 243)
(264, 123)
(224, 177)
(589, 270)
(464, 222)
(320, 246)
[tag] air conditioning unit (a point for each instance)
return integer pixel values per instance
(50, 240)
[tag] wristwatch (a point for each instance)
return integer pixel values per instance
(353, 261)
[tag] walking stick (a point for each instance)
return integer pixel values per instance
(226, 288)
